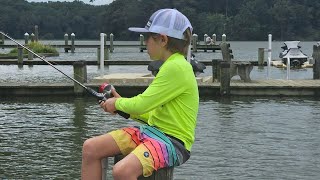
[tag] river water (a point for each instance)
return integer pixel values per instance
(236, 137)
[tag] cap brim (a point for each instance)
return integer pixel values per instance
(136, 29)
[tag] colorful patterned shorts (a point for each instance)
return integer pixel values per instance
(153, 148)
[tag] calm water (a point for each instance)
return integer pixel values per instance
(236, 138)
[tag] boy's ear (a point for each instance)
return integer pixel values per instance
(164, 39)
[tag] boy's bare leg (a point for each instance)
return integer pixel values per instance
(93, 150)
(129, 168)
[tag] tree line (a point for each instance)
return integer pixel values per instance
(248, 20)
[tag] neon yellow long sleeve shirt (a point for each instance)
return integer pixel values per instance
(170, 102)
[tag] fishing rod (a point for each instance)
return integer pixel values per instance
(104, 90)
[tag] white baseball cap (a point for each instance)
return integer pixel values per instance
(168, 22)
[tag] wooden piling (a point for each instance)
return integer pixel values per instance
(111, 43)
(36, 32)
(20, 55)
(224, 38)
(214, 39)
(215, 70)
(32, 37)
(106, 54)
(260, 57)
(73, 37)
(141, 42)
(194, 42)
(225, 68)
(1, 39)
(79, 74)
(66, 42)
(30, 56)
(26, 38)
(316, 65)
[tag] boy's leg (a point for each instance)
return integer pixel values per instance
(94, 149)
(128, 168)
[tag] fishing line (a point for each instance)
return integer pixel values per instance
(105, 89)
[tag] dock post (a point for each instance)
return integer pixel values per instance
(73, 37)
(26, 38)
(32, 37)
(66, 39)
(316, 65)
(20, 55)
(1, 39)
(215, 70)
(224, 38)
(36, 32)
(205, 38)
(30, 56)
(111, 43)
(225, 68)
(79, 74)
(225, 78)
(260, 57)
(106, 54)
(141, 42)
(194, 42)
(214, 39)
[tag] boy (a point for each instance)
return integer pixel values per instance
(168, 107)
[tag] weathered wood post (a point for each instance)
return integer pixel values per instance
(111, 43)
(66, 42)
(79, 74)
(215, 70)
(224, 38)
(194, 42)
(205, 38)
(261, 57)
(26, 38)
(20, 55)
(36, 32)
(316, 65)
(1, 39)
(106, 54)
(214, 38)
(32, 37)
(73, 37)
(141, 42)
(225, 69)
(161, 174)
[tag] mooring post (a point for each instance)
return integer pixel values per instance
(79, 74)
(161, 174)
(66, 42)
(20, 55)
(224, 38)
(225, 68)
(214, 38)
(73, 37)
(260, 57)
(36, 32)
(111, 43)
(316, 58)
(1, 39)
(194, 42)
(32, 37)
(141, 42)
(26, 38)
(215, 70)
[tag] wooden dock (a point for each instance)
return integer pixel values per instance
(275, 87)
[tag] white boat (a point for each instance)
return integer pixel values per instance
(292, 50)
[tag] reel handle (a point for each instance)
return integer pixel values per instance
(105, 89)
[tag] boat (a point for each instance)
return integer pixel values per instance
(292, 50)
